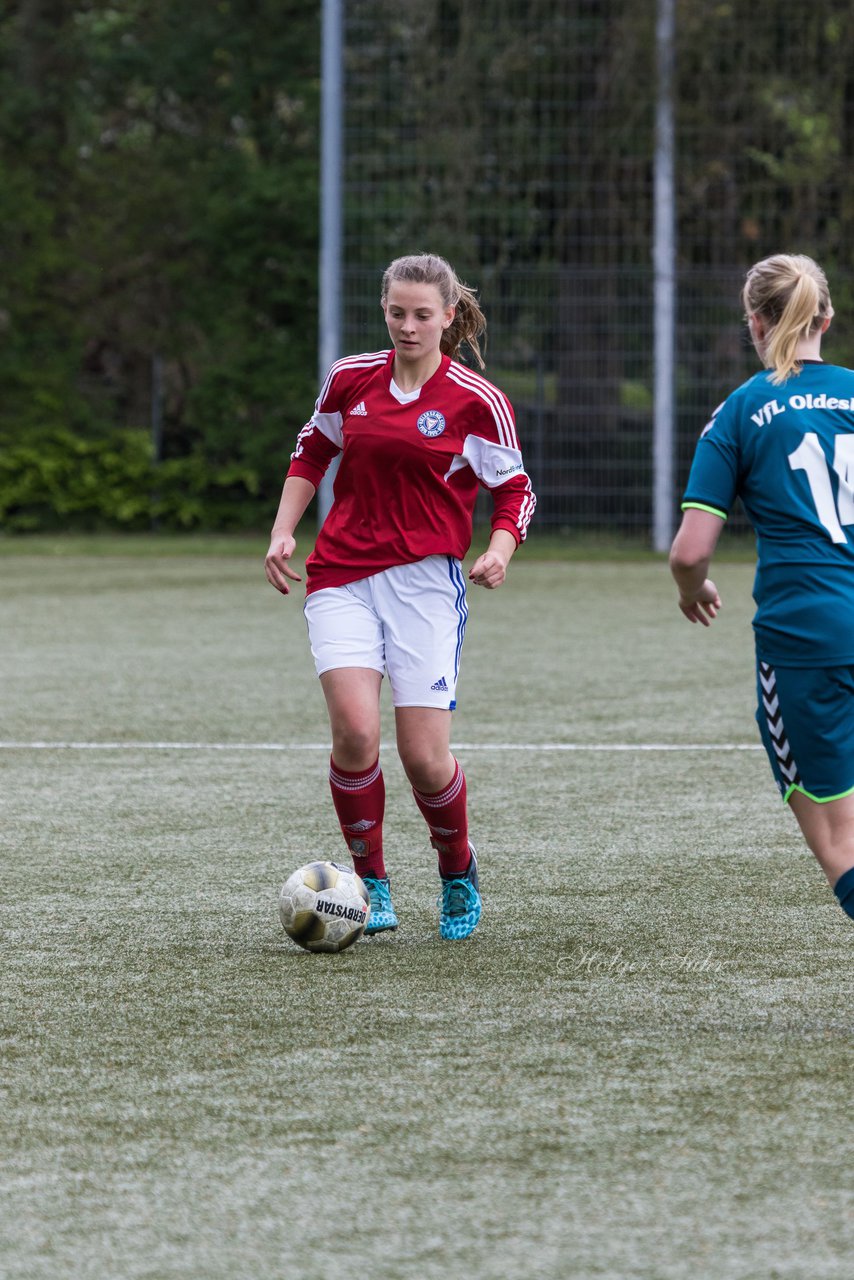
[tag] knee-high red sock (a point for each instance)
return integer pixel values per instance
(359, 800)
(446, 816)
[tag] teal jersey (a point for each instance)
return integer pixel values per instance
(788, 452)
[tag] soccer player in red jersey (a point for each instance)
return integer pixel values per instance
(418, 433)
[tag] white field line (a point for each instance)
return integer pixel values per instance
(544, 747)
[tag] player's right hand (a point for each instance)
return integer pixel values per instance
(703, 605)
(276, 566)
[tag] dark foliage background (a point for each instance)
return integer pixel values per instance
(159, 206)
(157, 297)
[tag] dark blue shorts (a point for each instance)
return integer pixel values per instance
(806, 719)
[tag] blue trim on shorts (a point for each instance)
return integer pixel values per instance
(455, 574)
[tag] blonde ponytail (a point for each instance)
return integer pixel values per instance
(789, 293)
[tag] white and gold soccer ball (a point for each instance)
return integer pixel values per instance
(324, 906)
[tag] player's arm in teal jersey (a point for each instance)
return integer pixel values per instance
(690, 558)
(710, 493)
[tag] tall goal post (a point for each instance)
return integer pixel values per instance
(330, 298)
(664, 281)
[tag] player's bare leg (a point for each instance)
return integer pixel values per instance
(353, 702)
(423, 743)
(438, 782)
(829, 831)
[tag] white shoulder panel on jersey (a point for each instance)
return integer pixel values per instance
(328, 424)
(492, 463)
(498, 403)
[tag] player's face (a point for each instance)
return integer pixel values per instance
(416, 319)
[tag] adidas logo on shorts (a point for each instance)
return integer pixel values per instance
(440, 686)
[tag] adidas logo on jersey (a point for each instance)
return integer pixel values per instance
(440, 686)
(360, 411)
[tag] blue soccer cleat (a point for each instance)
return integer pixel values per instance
(383, 915)
(460, 903)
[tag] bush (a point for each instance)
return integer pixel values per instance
(60, 481)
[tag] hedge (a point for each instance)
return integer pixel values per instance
(60, 481)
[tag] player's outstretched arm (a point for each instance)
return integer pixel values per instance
(490, 569)
(690, 558)
(296, 495)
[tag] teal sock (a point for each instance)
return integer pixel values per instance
(844, 890)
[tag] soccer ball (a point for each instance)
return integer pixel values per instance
(324, 906)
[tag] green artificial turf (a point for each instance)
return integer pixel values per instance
(638, 1066)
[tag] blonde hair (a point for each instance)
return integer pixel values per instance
(469, 322)
(789, 293)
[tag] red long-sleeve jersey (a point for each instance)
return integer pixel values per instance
(410, 466)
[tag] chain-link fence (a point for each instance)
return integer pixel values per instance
(517, 139)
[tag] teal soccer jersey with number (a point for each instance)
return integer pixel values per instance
(788, 452)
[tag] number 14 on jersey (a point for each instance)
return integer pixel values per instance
(809, 457)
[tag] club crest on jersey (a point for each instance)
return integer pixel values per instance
(431, 423)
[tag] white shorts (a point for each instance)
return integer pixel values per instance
(409, 620)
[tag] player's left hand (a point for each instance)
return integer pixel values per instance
(488, 570)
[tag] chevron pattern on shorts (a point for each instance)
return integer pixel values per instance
(774, 720)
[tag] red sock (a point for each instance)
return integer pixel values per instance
(446, 816)
(359, 800)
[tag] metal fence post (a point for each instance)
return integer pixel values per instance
(664, 288)
(331, 209)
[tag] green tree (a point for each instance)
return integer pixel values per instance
(159, 201)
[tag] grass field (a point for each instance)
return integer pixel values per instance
(639, 1066)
